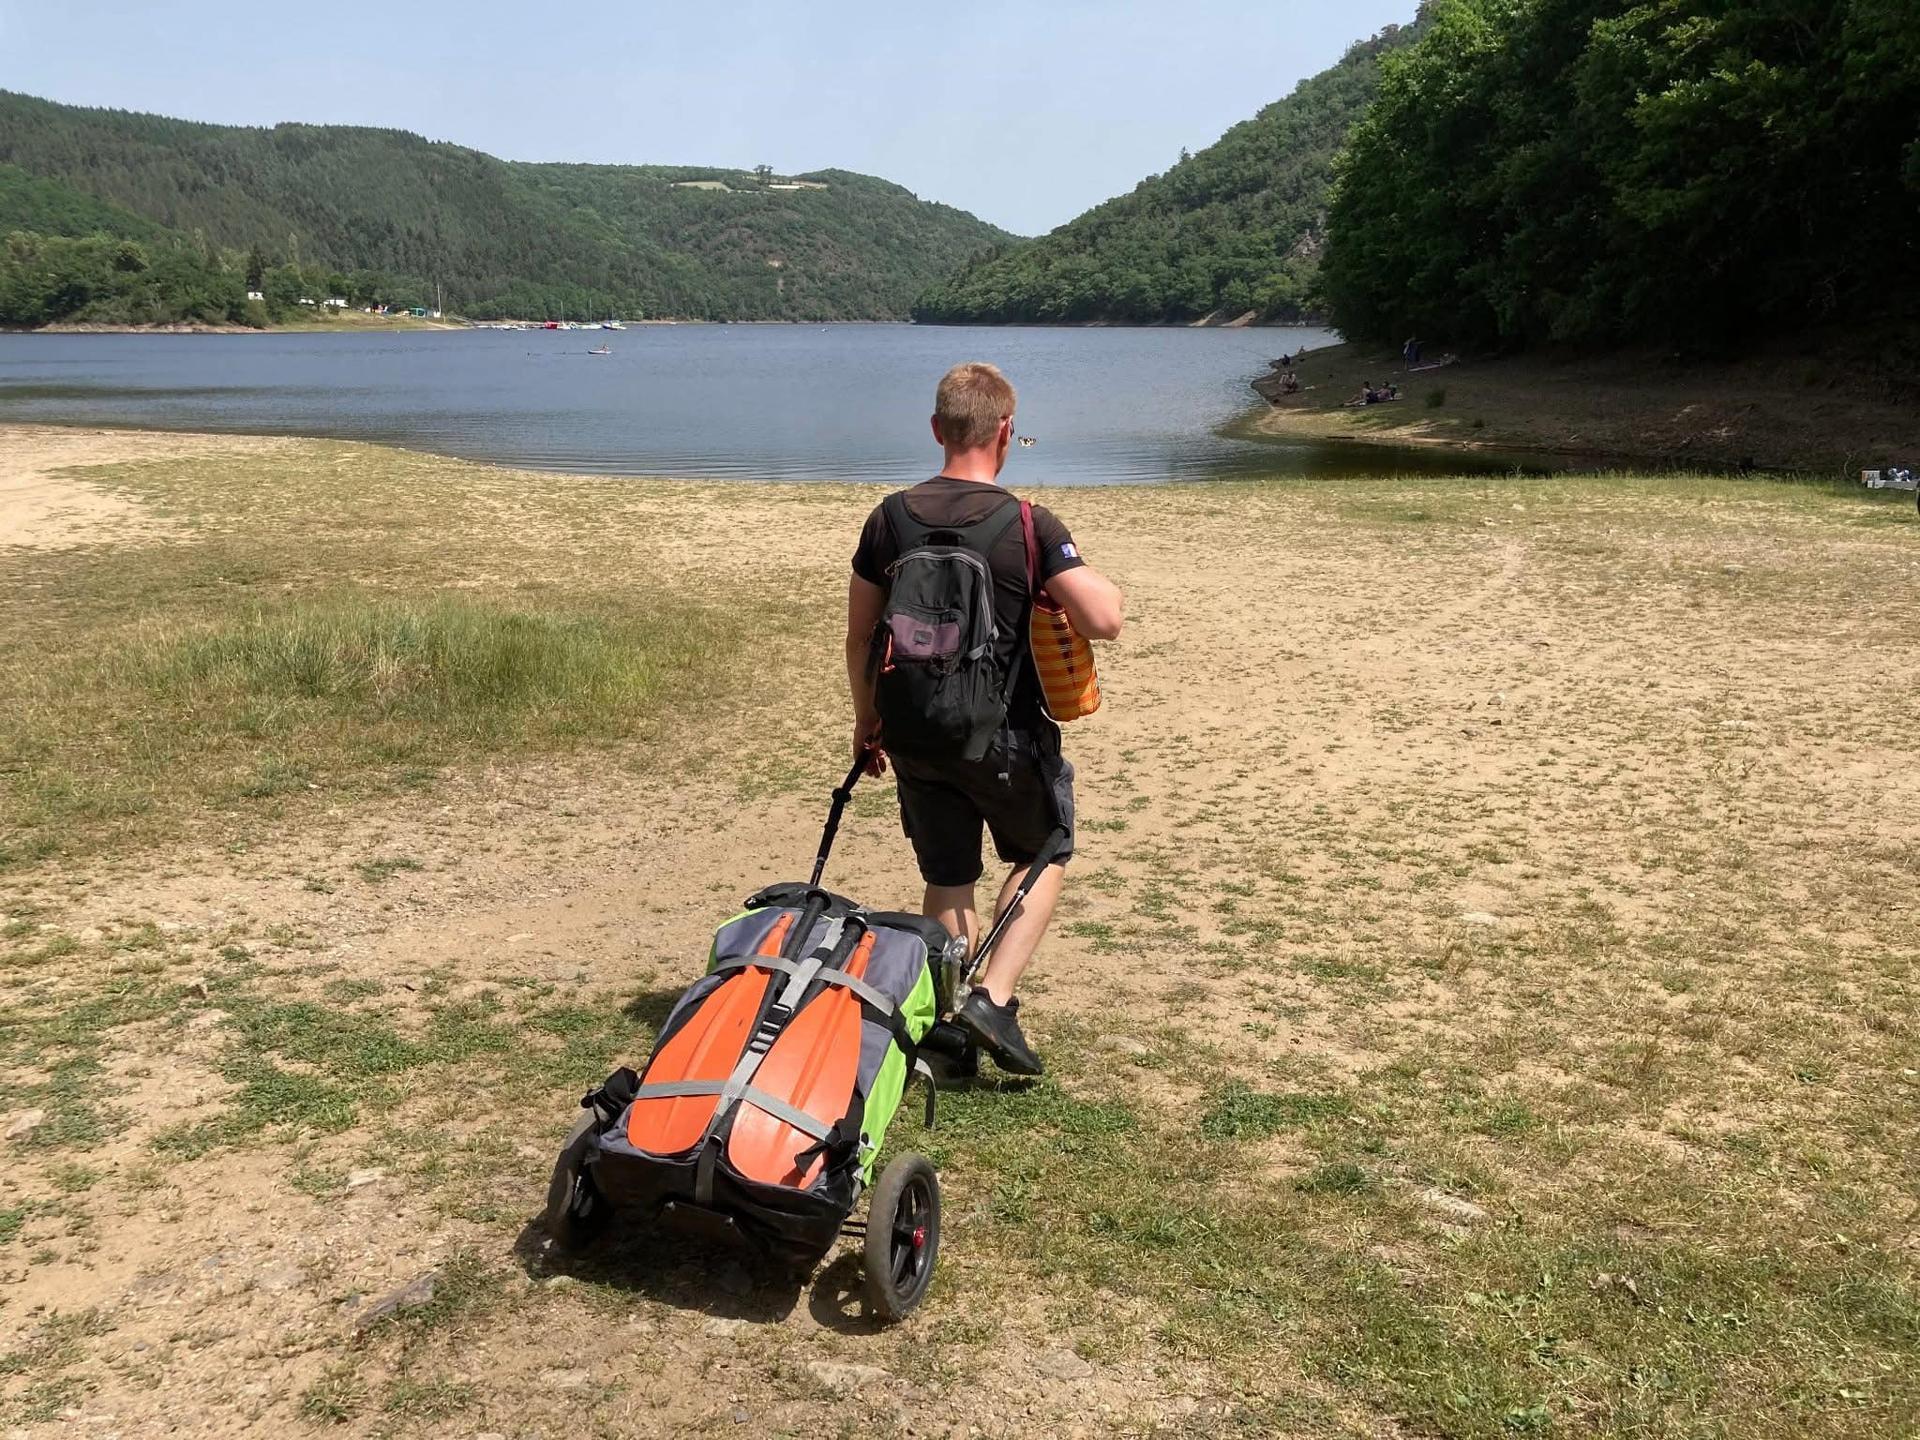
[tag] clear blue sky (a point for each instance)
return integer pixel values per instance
(1024, 113)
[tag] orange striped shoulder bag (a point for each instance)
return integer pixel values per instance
(1069, 688)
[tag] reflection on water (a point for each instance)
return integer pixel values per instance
(781, 402)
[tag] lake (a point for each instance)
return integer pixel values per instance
(773, 402)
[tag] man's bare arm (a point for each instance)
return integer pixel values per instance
(864, 602)
(1091, 600)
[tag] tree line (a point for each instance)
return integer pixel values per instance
(1595, 171)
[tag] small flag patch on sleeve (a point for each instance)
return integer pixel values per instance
(1070, 551)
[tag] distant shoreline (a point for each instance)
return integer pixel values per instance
(414, 327)
(196, 327)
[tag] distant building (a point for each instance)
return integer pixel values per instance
(255, 295)
(305, 301)
(419, 312)
(334, 302)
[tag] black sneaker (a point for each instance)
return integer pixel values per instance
(997, 1028)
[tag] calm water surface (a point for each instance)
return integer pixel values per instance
(778, 402)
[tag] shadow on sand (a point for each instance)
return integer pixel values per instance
(704, 1278)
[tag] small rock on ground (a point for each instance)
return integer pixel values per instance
(566, 1379)
(25, 1123)
(280, 1278)
(1453, 1209)
(410, 1296)
(1062, 1364)
(360, 1179)
(847, 1379)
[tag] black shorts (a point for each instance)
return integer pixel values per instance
(945, 803)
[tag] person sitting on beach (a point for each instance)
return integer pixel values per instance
(1289, 384)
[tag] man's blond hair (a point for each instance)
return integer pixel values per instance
(970, 404)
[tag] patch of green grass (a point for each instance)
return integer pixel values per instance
(1236, 1111)
(12, 1221)
(336, 1397)
(273, 776)
(53, 1346)
(383, 868)
(42, 1402)
(304, 1068)
(1341, 1177)
(72, 1179)
(256, 702)
(343, 992)
(320, 1183)
(427, 1399)
(1508, 1118)
(269, 1098)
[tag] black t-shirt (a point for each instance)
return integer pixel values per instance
(942, 501)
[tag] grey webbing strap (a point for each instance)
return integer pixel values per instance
(755, 962)
(759, 1099)
(737, 1084)
(787, 1114)
(679, 1089)
(859, 987)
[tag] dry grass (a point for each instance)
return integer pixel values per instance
(1485, 1006)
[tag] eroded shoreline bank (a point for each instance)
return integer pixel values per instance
(1769, 411)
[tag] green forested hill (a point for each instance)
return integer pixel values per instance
(49, 207)
(398, 214)
(1235, 227)
(1689, 172)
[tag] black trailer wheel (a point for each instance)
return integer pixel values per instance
(576, 1210)
(903, 1236)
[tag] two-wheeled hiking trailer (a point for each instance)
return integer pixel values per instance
(760, 1116)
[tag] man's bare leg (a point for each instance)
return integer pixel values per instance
(954, 907)
(1015, 951)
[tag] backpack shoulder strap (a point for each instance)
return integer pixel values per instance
(980, 535)
(908, 533)
(911, 534)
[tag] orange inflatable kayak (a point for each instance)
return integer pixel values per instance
(707, 1047)
(812, 1066)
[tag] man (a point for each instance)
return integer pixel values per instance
(1022, 788)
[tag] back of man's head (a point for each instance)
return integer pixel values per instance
(970, 404)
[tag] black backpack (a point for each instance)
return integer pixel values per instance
(938, 687)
